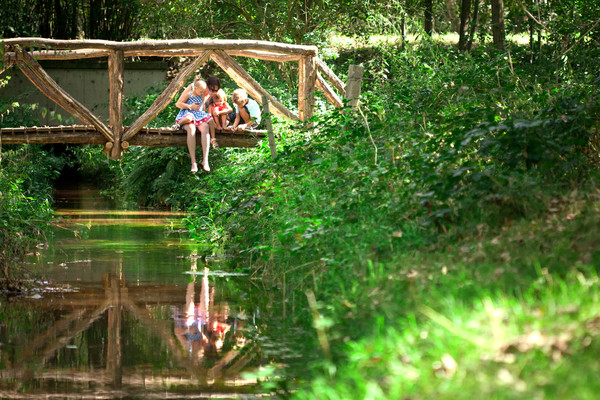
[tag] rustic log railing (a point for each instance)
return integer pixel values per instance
(25, 53)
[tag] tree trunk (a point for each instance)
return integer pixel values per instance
(473, 24)
(451, 15)
(403, 27)
(74, 23)
(531, 38)
(465, 14)
(498, 23)
(428, 20)
(94, 19)
(60, 25)
(42, 10)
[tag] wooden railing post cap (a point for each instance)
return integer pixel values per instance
(355, 71)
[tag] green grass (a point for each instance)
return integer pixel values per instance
(510, 315)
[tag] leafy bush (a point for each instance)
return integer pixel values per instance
(14, 114)
(157, 177)
(438, 148)
(25, 190)
(553, 141)
(135, 106)
(22, 226)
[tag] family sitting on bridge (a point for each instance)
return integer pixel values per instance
(204, 108)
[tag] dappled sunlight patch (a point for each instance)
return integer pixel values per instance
(507, 378)
(337, 41)
(141, 222)
(216, 273)
(75, 262)
(553, 345)
(446, 367)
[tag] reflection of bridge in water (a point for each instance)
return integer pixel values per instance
(216, 376)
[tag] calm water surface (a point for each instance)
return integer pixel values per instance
(131, 309)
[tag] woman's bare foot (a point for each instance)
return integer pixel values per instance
(214, 143)
(205, 167)
(194, 167)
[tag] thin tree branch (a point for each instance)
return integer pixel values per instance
(540, 23)
(580, 38)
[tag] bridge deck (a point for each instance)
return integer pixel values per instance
(153, 137)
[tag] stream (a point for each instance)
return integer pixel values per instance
(130, 307)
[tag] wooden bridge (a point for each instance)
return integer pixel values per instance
(25, 53)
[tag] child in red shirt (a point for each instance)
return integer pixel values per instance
(220, 109)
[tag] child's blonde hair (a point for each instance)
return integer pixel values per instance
(199, 82)
(221, 95)
(239, 95)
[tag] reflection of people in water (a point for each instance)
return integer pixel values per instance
(204, 327)
(239, 329)
(218, 325)
(190, 322)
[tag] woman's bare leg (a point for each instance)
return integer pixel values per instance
(212, 126)
(191, 144)
(205, 141)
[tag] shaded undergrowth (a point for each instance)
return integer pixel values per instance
(26, 177)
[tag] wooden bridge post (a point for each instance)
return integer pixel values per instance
(115, 76)
(307, 79)
(269, 125)
(355, 76)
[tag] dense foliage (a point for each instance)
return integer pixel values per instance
(567, 23)
(26, 176)
(128, 19)
(461, 176)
